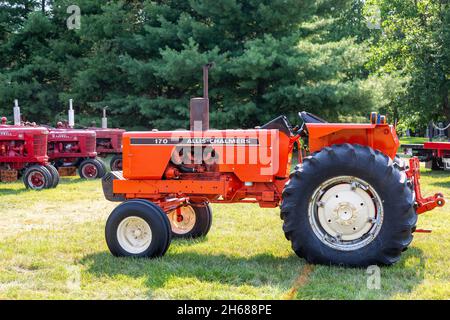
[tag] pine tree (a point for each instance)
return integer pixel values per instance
(143, 59)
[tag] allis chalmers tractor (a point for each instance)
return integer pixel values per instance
(350, 201)
(109, 142)
(69, 147)
(23, 152)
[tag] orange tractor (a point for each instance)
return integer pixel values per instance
(349, 201)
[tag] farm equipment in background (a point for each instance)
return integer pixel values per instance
(109, 142)
(435, 154)
(350, 202)
(23, 153)
(70, 148)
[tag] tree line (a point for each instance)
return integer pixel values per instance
(338, 59)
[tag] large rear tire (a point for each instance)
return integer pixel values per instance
(138, 228)
(348, 205)
(192, 221)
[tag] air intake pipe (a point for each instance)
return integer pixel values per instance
(104, 119)
(199, 114)
(17, 117)
(71, 114)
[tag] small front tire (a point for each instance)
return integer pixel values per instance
(116, 163)
(90, 169)
(191, 221)
(102, 167)
(37, 177)
(138, 228)
(55, 175)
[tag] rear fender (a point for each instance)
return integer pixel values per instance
(382, 137)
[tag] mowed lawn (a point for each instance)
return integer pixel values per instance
(52, 247)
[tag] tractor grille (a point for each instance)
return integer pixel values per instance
(90, 144)
(40, 145)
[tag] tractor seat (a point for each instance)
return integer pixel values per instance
(310, 118)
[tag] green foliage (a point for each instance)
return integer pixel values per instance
(143, 59)
(413, 48)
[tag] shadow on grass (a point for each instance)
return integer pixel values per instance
(18, 187)
(73, 180)
(326, 282)
(14, 191)
(256, 271)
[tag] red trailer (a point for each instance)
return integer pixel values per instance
(436, 155)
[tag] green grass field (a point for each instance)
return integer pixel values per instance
(413, 140)
(52, 247)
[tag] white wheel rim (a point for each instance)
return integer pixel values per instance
(134, 235)
(345, 213)
(184, 222)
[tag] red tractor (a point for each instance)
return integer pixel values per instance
(349, 202)
(109, 142)
(23, 152)
(69, 147)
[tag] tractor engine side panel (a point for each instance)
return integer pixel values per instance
(109, 140)
(23, 145)
(252, 155)
(68, 143)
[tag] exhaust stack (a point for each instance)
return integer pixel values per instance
(71, 114)
(17, 116)
(200, 106)
(104, 119)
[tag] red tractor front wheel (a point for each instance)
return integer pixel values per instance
(55, 175)
(37, 178)
(90, 169)
(116, 163)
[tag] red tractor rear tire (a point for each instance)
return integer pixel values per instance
(37, 177)
(348, 205)
(193, 221)
(138, 228)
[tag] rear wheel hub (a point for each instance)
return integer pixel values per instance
(345, 213)
(36, 180)
(90, 171)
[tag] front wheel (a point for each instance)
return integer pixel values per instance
(138, 228)
(90, 169)
(348, 205)
(37, 177)
(116, 163)
(102, 167)
(191, 221)
(55, 175)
